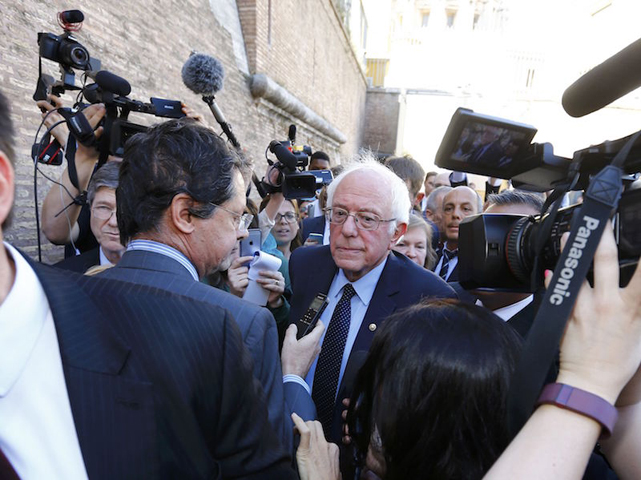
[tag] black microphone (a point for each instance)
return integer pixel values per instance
(291, 134)
(605, 83)
(71, 16)
(204, 75)
(110, 82)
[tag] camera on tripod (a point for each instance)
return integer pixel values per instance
(510, 252)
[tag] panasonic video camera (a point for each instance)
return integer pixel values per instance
(510, 252)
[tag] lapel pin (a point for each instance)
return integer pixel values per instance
(372, 327)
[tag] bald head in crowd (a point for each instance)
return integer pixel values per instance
(459, 203)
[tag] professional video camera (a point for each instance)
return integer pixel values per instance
(293, 181)
(511, 252)
(108, 89)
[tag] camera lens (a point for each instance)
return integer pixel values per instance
(74, 55)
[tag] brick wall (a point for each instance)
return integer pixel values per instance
(147, 43)
(382, 112)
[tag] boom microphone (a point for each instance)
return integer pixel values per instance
(203, 74)
(605, 83)
(110, 82)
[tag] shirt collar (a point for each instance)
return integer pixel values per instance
(364, 286)
(161, 248)
(22, 317)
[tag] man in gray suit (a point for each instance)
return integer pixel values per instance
(181, 201)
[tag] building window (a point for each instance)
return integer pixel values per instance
(529, 81)
(425, 18)
(451, 16)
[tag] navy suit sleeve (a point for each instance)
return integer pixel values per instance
(244, 439)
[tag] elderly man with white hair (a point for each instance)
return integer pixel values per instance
(368, 210)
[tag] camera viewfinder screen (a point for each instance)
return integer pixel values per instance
(489, 146)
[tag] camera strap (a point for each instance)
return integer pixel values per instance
(539, 350)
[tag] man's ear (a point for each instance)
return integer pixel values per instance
(7, 186)
(180, 217)
(400, 230)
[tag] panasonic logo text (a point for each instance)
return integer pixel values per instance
(561, 285)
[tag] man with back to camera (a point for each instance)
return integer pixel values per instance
(181, 202)
(368, 210)
(105, 380)
(459, 203)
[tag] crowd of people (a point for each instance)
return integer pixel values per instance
(140, 356)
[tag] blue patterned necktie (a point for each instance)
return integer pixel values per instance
(329, 361)
(447, 256)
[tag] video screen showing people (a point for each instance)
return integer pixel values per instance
(488, 145)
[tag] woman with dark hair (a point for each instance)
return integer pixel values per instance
(430, 400)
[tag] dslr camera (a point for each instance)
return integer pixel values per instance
(502, 252)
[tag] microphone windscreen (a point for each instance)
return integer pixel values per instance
(605, 83)
(203, 74)
(113, 83)
(291, 134)
(72, 16)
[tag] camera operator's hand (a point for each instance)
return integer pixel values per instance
(191, 113)
(601, 349)
(60, 132)
(237, 275)
(60, 229)
(297, 356)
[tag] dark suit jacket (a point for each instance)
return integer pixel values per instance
(157, 389)
(257, 327)
(81, 263)
(313, 225)
(402, 283)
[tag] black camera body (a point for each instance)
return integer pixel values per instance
(64, 49)
(498, 251)
(503, 252)
(294, 182)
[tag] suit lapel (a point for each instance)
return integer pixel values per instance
(113, 415)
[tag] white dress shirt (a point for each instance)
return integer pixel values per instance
(507, 312)
(37, 431)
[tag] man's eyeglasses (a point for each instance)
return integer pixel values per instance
(102, 212)
(289, 217)
(242, 220)
(363, 220)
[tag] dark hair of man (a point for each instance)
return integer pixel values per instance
(106, 176)
(178, 156)
(320, 156)
(430, 174)
(6, 142)
(435, 385)
(409, 170)
(515, 197)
